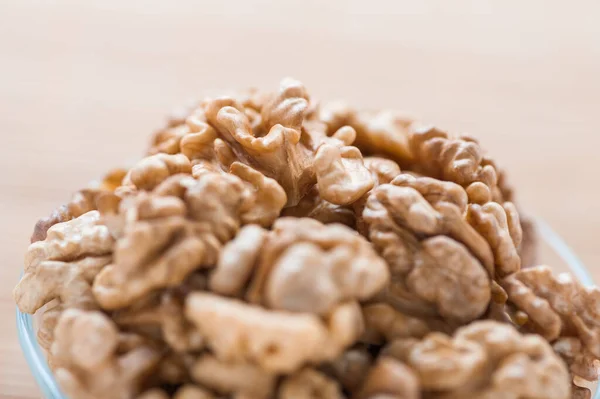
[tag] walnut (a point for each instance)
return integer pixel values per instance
(397, 218)
(237, 261)
(308, 266)
(87, 364)
(556, 305)
(69, 282)
(390, 378)
(254, 253)
(351, 368)
(342, 177)
(279, 154)
(309, 384)
(190, 391)
(152, 170)
(384, 323)
(459, 160)
(82, 202)
(269, 197)
(383, 132)
(529, 243)
(154, 252)
(313, 206)
(277, 341)
(485, 359)
(166, 312)
(501, 227)
(199, 142)
(220, 201)
(382, 170)
(582, 363)
(235, 377)
(64, 265)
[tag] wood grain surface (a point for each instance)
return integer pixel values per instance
(83, 83)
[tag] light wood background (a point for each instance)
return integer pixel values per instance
(82, 84)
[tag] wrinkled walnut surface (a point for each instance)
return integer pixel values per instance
(269, 247)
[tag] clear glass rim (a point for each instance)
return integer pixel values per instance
(48, 385)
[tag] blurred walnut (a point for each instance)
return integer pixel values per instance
(165, 312)
(256, 254)
(309, 384)
(382, 170)
(582, 363)
(460, 160)
(313, 206)
(86, 361)
(390, 378)
(484, 360)
(556, 305)
(302, 266)
(351, 368)
(187, 391)
(167, 237)
(277, 341)
(342, 177)
(237, 261)
(158, 250)
(82, 202)
(269, 197)
(233, 377)
(382, 132)
(152, 170)
(500, 226)
(529, 243)
(279, 153)
(418, 229)
(384, 323)
(64, 265)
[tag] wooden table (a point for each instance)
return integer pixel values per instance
(82, 84)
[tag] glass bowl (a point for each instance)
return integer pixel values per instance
(553, 251)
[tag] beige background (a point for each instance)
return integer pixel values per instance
(83, 83)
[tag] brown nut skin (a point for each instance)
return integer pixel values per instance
(86, 361)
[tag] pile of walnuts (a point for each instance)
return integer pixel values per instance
(267, 247)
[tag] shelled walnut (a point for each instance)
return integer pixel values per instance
(267, 247)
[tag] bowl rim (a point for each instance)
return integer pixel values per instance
(36, 360)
